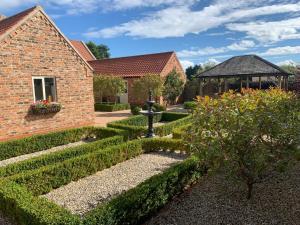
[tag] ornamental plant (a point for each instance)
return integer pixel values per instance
(44, 107)
(251, 134)
(173, 87)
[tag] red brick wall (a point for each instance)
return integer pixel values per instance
(37, 49)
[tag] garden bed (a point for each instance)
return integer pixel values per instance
(19, 193)
(111, 107)
(136, 126)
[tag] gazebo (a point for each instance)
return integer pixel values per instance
(244, 68)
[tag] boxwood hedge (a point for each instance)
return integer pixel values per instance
(37, 143)
(19, 192)
(111, 107)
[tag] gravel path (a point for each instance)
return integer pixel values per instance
(218, 201)
(5, 221)
(81, 196)
(35, 154)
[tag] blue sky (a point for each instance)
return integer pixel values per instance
(198, 30)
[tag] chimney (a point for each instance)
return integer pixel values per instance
(2, 17)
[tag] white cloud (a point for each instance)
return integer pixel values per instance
(237, 46)
(269, 31)
(178, 21)
(186, 63)
(287, 62)
(286, 50)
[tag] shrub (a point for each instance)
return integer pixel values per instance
(191, 105)
(110, 107)
(167, 128)
(60, 156)
(135, 109)
(165, 144)
(173, 87)
(44, 179)
(156, 107)
(251, 134)
(42, 142)
(179, 132)
(172, 116)
(137, 204)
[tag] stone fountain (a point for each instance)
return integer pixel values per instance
(150, 114)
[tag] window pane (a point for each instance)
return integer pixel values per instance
(38, 89)
(50, 89)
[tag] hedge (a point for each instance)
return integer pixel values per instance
(60, 156)
(137, 204)
(111, 107)
(37, 143)
(20, 205)
(44, 179)
(178, 132)
(136, 125)
(131, 207)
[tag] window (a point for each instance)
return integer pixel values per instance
(44, 88)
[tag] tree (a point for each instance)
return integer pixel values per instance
(196, 69)
(99, 51)
(250, 134)
(148, 82)
(108, 86)
(173, 87)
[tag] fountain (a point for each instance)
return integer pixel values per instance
(150, 114)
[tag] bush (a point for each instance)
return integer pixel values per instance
(37, 143)
(172, 116)
(165, 144)
(251, 134)
(156, 107)
(44, 179)
(179, 132)
(57, 157)
(167, 128)
(191, 105)
(110, 107)
(135, 109)
(137, 204)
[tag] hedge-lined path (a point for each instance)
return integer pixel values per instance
(103, 118)
(82, 196)
(36, 154)
(216, 200)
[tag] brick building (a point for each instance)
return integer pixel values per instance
(37, 62)
(133, 67)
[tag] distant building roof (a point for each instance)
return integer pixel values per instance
(83, 50)
(132, 66)
(246, 65)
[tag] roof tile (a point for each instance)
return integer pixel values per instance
(83, 50)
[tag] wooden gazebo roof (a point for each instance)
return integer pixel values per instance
(246, 65)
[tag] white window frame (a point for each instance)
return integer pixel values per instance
(43, 86)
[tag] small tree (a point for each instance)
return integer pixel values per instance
(108, 86)
(142, 86)
(99, 51)
(173, 87)
(251, 135)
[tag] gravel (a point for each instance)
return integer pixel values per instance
(5, 221)
(82, 196)
(35, 154)
(219, 201)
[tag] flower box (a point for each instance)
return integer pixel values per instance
(45, 107)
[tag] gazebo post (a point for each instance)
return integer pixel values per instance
(219, 86)
(259, 79)
(201, 87)
(247, 82)
(241, 83)
(225, 85)
(279, 82)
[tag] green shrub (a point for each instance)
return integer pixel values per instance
(179, 132)
(165, 144)
(20, 205)
(111, 107)
(135, 109)
(137, 204)
(60, 156)
(191, 105)
(37, 143)
(251, 134)
(44, 179)
(156, 107)
(171, 116)
(167, 128)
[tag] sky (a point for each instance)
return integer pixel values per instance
(199, 31)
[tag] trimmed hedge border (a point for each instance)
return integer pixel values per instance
(131, 207)
(111, 107)
(60, 156)
(136, 125)
(178, 132)
(38, 143)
